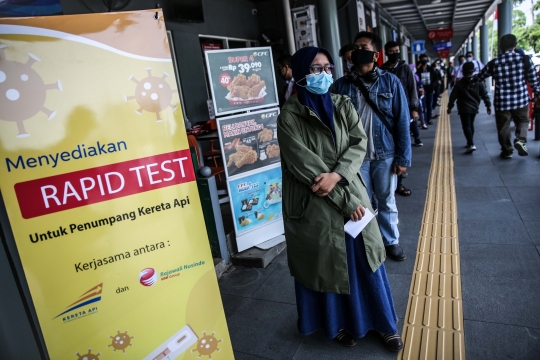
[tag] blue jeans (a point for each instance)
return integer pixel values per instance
(381, 182)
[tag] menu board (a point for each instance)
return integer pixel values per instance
(256, 199)
(241, 79)
(249, 141)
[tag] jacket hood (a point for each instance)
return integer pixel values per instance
(294, 106)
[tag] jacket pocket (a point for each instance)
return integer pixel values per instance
(297, 199)
(384, 101)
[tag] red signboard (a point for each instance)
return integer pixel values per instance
(444, 54)
(80, 188)
(211, 46)
(442, 34)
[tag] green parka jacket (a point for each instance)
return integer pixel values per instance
(314, 225)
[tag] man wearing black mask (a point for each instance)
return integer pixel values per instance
(400, 68)
(382, 106)
(285, 72)
(429, 80)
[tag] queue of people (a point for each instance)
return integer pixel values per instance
(344, 148)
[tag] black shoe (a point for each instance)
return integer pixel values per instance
(345, 339)
(393, 342)
(506, 154)
(395, 252)
(418, 143)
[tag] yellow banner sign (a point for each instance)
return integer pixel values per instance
(97, 178)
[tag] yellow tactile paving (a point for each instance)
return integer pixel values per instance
(433, 326)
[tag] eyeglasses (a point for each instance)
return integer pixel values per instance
(317, 69)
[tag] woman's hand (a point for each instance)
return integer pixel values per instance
(358, 214)
(325, 183)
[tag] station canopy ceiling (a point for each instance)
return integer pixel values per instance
(421, 16)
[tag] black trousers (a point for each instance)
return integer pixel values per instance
(467, 123)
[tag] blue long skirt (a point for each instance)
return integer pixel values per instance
(369, 306)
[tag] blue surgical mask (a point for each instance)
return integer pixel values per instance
(318, 84)
(469, 59)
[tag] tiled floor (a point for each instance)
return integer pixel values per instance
(499, 235)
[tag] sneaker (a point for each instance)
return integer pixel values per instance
(424, 126)
(506, 154)
(430, 122)
(470, 149)
(521, 148)
(418, 143)
(395, 252)
(346, 339)
(392, 342)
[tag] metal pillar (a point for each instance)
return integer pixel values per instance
(469, 44)
(289, 27)
(475, 45)
(484, 56)
(328, 25)
(505, 18)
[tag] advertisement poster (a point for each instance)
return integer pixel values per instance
(241, 79)
(256, 199)
(97, 179)
(361, 15)
(249, 141)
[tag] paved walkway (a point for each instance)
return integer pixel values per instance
(499, 236)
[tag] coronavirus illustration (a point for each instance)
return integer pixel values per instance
(88, 356)
(22, 91)
(207, 344)
(153, 94)
(121, 341)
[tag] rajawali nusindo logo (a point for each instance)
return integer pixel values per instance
(148, 277)
(84, 306)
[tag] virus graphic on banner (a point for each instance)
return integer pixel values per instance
(207, 345)
(88, 356)
(22, 91)
(121, 341)
(153, 94)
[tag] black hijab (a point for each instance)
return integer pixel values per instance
(321, 104)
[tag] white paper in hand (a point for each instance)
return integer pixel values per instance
(353, 228)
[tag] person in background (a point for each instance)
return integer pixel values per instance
(457, 74)
(345, 55)
(449, 77)
(429, 80)
(511, 70)
(437, 87)
(478, 66)
(421, 97)
(340, 282)
(285, 72)
(388, 135)
(399, 68)
(468, 96)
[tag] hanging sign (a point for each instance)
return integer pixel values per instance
(418, 47)
(442, 34)
(361, 15)
(100, 190)
(447, 45)
(241, 79)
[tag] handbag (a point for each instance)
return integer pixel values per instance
(362, 86)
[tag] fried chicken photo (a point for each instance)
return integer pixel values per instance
(240, 92)
(265, 135)
(253, 80)
(272, 151)
(239, 80)
(244, 155)
(256, 89)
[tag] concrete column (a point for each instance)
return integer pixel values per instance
(484, 36)
(505, 18)
(289, 27)
(328, 25)
(484, 56)
(475, 45)
(469, 44)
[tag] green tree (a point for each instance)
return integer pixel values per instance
(519, 29)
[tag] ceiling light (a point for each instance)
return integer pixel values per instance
(438, 13)
(435, 1)
(440, 22)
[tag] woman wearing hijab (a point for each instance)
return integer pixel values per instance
(340, 282)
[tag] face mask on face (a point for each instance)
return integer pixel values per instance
(394, 58)
(318, 84)
(469, 59)
(284, 76)
(461, 61)
(362, 57)
(349, 65)
(423, 62)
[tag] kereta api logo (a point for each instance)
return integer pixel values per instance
(91, 296)
(148, 277)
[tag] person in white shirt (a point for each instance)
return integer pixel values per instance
(457, 74)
